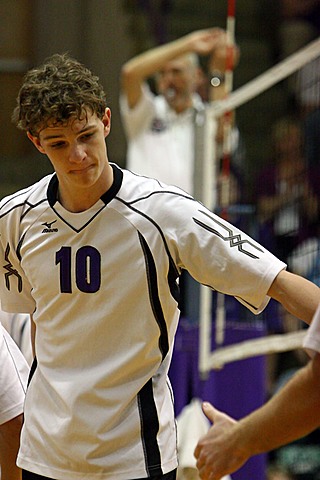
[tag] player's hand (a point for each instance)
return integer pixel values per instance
(217, 452)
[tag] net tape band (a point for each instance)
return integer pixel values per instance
(267, 79)
(256, 347)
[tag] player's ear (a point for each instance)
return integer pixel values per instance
(36, 142)
(106, 120)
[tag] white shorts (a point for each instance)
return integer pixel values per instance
(14, 371)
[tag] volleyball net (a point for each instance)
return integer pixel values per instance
(273, 193)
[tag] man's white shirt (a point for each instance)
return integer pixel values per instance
(161, 143)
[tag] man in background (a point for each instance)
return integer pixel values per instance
(160, 127)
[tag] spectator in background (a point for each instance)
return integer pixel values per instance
(299, 24)
(160, 128)
(308, 107)
(287, 192)
(305, 259)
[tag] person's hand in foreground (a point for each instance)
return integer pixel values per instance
(217, 452)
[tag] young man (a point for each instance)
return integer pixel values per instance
(94, 253)
(13, 383)
(292, 413)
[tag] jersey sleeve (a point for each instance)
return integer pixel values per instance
(15, 289)
(218, 254)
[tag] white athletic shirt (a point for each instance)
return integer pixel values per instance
(14, 373)
(18, 325)
(160, 141)
(102, 285)
(311, 341)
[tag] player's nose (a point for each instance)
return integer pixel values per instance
(77, 153)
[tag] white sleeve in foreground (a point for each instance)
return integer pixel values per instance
(14, 373)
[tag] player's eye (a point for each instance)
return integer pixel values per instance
(86, 136)
(57, 144)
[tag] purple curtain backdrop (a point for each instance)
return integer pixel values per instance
(237, 389)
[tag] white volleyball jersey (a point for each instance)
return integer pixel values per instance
(14, 373)
(103, 288)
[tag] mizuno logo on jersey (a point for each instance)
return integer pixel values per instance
(48, 227)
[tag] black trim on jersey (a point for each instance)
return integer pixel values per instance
(116, 185)
(161, 192)
(52, 194)
(16, 195)
(149, 429)
(106, 197)
(18, 249)
(52, 191)
(234, 240)
(21, 205)
(31, 206)
(173, 273)
(32, 369)
(154, 296)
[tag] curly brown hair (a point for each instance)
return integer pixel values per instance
(55, 91)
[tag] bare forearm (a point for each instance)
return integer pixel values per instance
(289, 415)
(299, 296)
(148, 63)
(292, 413)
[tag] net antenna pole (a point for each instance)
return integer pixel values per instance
(209, 198)
(226, 159)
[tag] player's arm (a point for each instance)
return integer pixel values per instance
(292, 413)
(299, 296)
(9, 446)
(139, 68)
